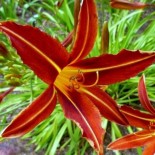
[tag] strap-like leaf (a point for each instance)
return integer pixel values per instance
(81, 110)
(35, 113)
(42, 53)
(114, 68)
(143, 96)
(86, 31)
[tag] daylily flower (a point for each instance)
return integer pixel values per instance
(146, 137)
(128, 5)
(74, 79)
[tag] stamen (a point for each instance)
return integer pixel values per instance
(80, 77)
(152, 124)
(148, 134)
(76, 80)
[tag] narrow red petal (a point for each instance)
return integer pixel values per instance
(128, 5)
(137, 118)
(35, 113)
(6, 93)
(77, 8)
(81, 110)
(42, 53)
(114, 68)
(150, 148)
(134, 140)
(143, 96)
(86, 31)
(106, 105)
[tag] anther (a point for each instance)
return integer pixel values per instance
(152, 124)
(80, 77)
(76, 80)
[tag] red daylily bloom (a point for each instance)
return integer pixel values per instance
(73, 78)
(128, 5)
(136, 118)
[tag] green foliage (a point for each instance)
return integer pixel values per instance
(58, 135)
(8, 9)
(131, 30)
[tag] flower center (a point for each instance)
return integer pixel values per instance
(73, 79)
(76, 80)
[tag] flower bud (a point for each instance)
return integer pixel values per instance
(105, 38)
(127, 5)
(14, 82)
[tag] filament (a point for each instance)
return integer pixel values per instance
(76, 80)
(152, 124)
(96, 81)
(148, 135)
(79, 79)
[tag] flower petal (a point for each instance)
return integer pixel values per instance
(137, 118)
(86, 31)
(128, 5)
(143, 96)
(150, 148)
(106, 105)
(81, 110)
(113, 68)
(30, 117)
(42, 53)
(134, 140)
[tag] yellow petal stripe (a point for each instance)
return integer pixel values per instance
(34, 48)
